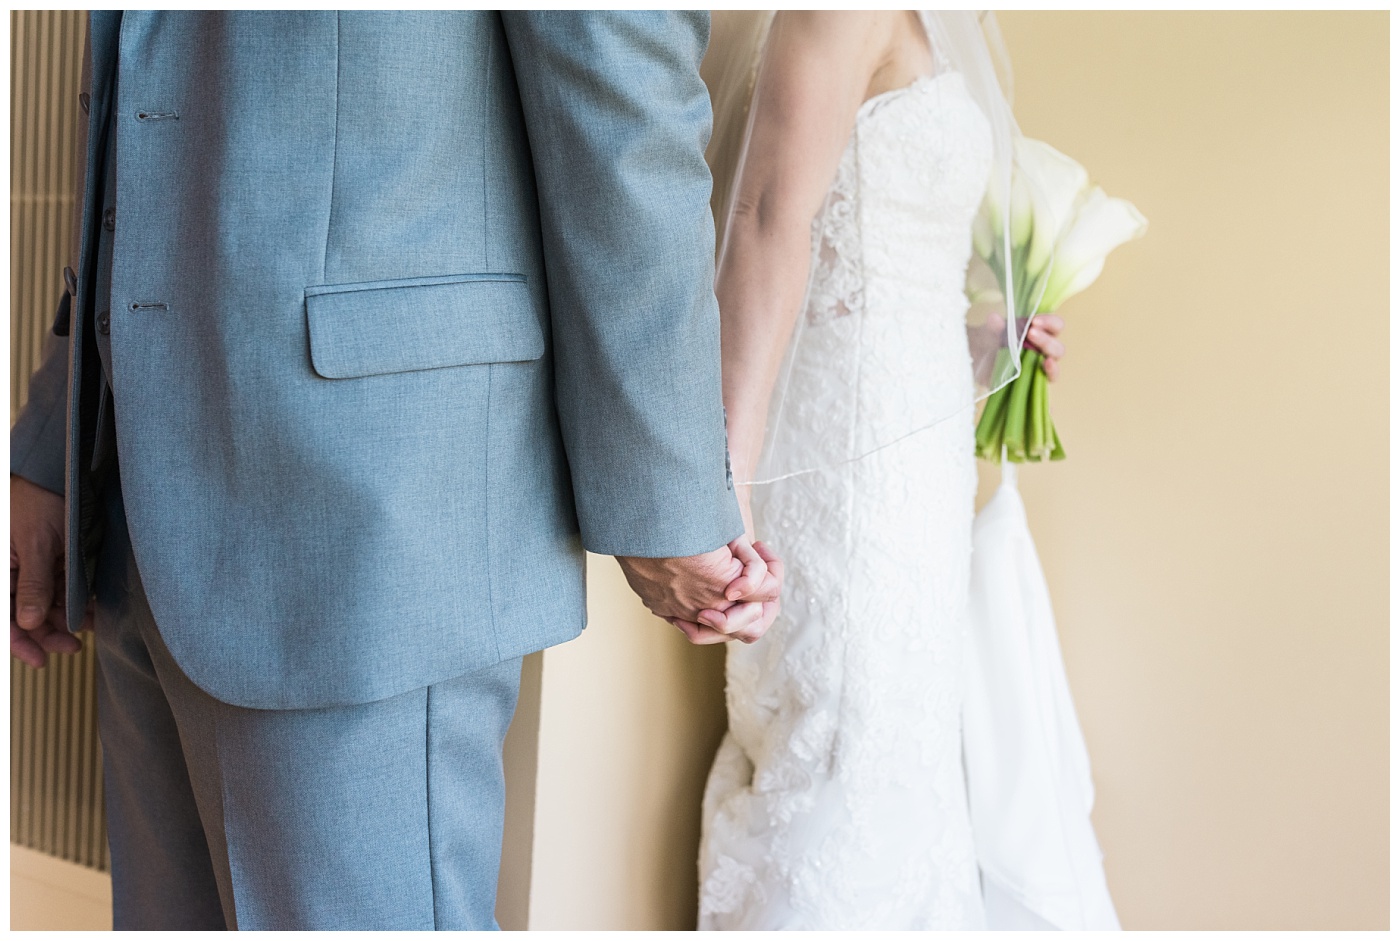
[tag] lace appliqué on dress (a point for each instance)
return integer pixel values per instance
(837, 798)
(837, 285)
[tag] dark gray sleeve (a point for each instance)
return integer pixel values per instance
(618, 119)
(39, 435)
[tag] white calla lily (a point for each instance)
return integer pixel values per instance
(1099, 225)
(1023, 213)
(1061, 230)
(1053, 185)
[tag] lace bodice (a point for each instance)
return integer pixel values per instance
(886, 302)
(837, 798)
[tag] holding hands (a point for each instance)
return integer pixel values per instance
(728, 594)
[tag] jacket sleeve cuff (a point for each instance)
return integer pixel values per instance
(644, 542)
(664, 520)
(39, 436)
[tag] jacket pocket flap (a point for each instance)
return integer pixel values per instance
(379, 327)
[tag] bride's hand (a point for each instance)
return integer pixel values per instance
(754, 599)
(1044, 338)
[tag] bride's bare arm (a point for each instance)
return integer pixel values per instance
(816, 71)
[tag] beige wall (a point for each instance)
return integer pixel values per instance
(1216, 543)
(629, 717)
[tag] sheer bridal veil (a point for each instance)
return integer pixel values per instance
(965, 42)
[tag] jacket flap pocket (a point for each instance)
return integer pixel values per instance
(425, 323)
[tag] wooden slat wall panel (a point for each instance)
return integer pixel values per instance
(55, 765)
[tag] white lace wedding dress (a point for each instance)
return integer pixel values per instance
(837, 800)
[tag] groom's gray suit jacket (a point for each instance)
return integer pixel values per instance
(406, 310)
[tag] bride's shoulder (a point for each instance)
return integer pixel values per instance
(881, 49)
(848, 29)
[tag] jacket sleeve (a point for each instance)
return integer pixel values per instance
(39, 435)
(618, 119)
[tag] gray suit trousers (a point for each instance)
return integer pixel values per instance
(383, 815)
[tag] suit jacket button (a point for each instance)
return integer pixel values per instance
(109, 219)
(104, 322)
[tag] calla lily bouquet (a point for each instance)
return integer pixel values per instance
(1062, 228)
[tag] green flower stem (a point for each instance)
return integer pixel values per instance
(992, 424)
(1037, 445)
(1017, 416)
(1049, 426)
(1058, 454)
(1048, 445)
(1015, 435)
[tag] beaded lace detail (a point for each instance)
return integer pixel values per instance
(837, 798)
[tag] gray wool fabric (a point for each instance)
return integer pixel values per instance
(406, 310)
(381, 815)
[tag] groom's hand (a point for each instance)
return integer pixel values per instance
(684, 586)
(38, 626)
(754, 600)
(721, 587)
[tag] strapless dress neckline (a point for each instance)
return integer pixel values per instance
(921, 83)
